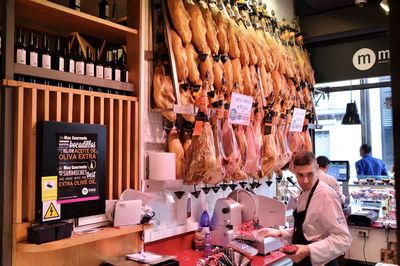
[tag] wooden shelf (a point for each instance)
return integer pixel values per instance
(73, 78)
(75, 240)
(68, 20)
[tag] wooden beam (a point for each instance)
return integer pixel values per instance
(6, 154)
(18, 154)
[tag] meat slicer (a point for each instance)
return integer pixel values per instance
(242, 206)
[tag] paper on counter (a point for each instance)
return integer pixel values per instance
(145, 257)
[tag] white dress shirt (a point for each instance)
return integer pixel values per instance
(332, 182)
(324, 226)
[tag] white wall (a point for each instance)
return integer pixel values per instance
(282, 8)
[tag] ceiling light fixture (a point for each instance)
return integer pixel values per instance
(385, 6)
(351, 117)
(360, 3)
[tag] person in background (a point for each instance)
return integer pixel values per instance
(369, 165)
(323, 167)
(320, 230)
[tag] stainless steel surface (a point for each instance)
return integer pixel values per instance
(247, 203)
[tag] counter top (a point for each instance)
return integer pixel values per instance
(180, 246)
(190, 257)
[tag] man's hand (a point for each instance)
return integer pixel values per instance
(302, 252)
(260, 234)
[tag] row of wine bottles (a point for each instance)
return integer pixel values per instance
(104, 8)
(113, 68)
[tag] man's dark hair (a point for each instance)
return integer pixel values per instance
(303, 158)
(323, 161)
(366, 148)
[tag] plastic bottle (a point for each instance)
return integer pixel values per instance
(204, 220)
(207, 242)
(205, 228)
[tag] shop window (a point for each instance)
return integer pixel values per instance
(342, 142)
(322, 143)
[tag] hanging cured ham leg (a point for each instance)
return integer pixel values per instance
(163, 92)
(175, 146)
(181, 19)
(180, 56)
(197, 26)
(212, 30)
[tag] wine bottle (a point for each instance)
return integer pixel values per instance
(46, 57)
(107, 66)
(98, 65)
(114, 10)
(58, 58)
(124, 69)
(104, 10)
(32, 56)
(69, 60)
(116, 73)
(80, 62)
(75, 4)
(20, 56)
(89, 63)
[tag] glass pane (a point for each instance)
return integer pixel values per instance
(342, 142)
(334, 140)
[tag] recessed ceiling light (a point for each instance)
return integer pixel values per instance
(385, 5)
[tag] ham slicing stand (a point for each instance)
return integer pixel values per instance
(240, 207)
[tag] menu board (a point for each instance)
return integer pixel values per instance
(70, 170)
(77, 164)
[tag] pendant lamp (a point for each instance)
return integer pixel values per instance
(385, 5)
(351, 117)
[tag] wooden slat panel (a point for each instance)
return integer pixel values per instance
(58, 106)
(18, 155)
(20, 230)
(109, 121)
(31, 119)
(126, 153)
(40, 104)
(78, 114)
(99, 110)
(91, 109)
(55, 106)
(82, 109)
(135, 147)
(46, 105)
(118, 149)
(119, 114)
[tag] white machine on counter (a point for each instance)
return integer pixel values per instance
(242, 206)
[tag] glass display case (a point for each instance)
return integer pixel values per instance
(377, 196)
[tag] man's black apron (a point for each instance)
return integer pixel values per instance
(298, 235)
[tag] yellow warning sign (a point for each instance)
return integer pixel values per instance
(49, 188)
(51, 212)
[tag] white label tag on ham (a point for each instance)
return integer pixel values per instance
(240, 109)
(184, 109)
(297, 120)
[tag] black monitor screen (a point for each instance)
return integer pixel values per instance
(340, 170)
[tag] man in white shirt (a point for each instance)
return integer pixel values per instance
(323, 167)
(320, 229)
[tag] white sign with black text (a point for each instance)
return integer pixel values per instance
(240, 109)
(297, 120)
